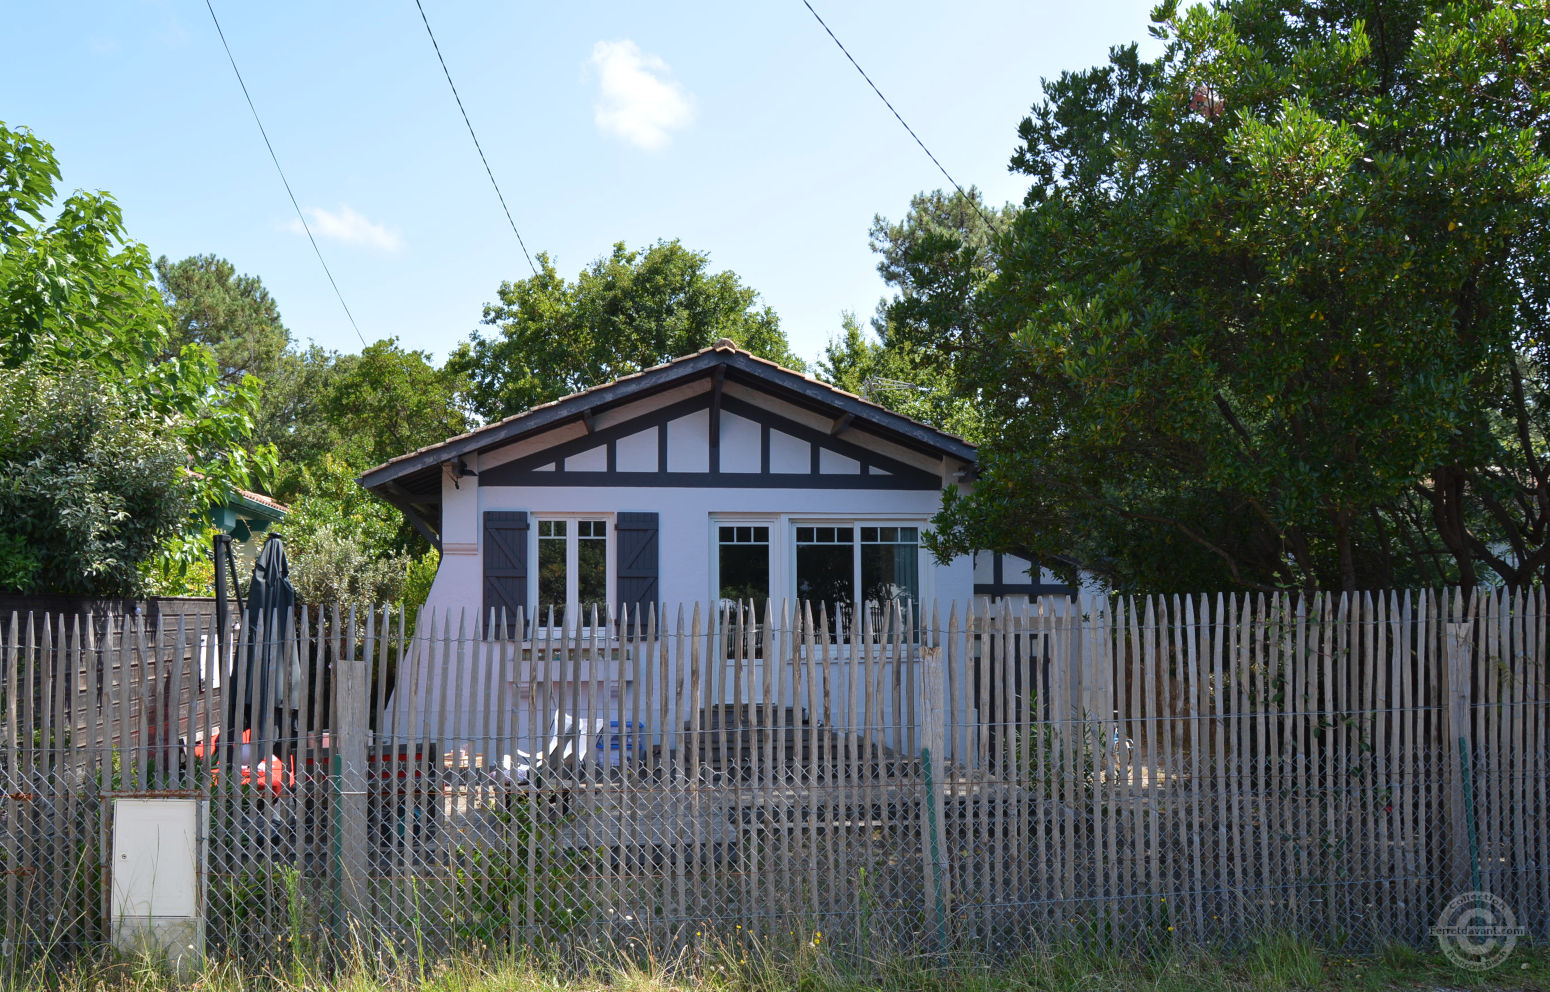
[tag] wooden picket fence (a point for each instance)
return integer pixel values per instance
(971, 777)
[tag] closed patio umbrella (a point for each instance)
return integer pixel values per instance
(269, 659)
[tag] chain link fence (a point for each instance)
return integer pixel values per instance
(1131, 772)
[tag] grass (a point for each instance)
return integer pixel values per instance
(1279, 964)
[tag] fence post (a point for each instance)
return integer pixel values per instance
(1460, 751)
(933, 768)
(348, 774)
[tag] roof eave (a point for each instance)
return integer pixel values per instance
(578, 405)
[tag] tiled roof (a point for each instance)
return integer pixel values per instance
(723, 346)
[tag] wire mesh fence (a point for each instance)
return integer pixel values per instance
(1130, 770)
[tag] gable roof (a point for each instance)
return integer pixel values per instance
(413, 481)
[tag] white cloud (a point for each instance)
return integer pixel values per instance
(348, 226)
(637, 101)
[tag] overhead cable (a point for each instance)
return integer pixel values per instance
(276, 160)
(487, 171)
(972, 202)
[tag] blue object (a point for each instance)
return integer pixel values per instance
(617, 745)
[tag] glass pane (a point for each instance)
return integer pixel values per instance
(592, 570)
(824, 576)
(890, 573)
(551, 573)
(745, 572)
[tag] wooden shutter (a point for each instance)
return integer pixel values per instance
(505, 567)
(635, 550)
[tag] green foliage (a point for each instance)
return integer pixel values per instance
(418, 578)
(1274, 312)
(625, 312)
(89, 487)
(98, 416)
(74, 290)
(184, 566)
(900, 376)
(934, 259)
(233, 315)
(344, 543)
(294, 414)
(387, 401)
(326, 416)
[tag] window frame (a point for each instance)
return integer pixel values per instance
(572, 520)
(772, 537)
(736, 519)
(924, 573)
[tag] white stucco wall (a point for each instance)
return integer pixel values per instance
(686, 543)
(463, 694)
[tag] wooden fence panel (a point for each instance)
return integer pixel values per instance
(1187, 768)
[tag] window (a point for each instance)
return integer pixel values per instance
(826, 565)
(743, 575)
(890, 566)
(572, 571)
(875, 565)
(743, 563)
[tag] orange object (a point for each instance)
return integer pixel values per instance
(270, 773)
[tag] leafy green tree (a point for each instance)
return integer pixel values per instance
(90, 488)
(899, 376)
(346, 546)
(233, 315)
(625, 312)
(98, 421)
(1272, 315)
(935, 260)
(388, 401)
(73, 290)
(294, 414)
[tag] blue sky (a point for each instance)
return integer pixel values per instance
(736, 127)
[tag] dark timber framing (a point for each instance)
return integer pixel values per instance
(998, 586)
(547, 467)
(413, 482)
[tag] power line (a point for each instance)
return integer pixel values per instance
(972, 202)
(471, 134)
(274, 158)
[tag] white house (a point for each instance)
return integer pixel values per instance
(717, 476)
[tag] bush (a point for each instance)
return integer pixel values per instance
(90, 489)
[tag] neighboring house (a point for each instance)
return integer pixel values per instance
(716, 476)
(247, 516)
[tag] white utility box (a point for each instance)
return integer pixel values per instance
(156, 905)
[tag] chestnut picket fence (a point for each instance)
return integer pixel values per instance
(944, 779)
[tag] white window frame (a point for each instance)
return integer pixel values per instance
(572, 561)
(923, 568)
(720, 520)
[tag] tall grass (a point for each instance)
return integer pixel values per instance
(738, 964)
